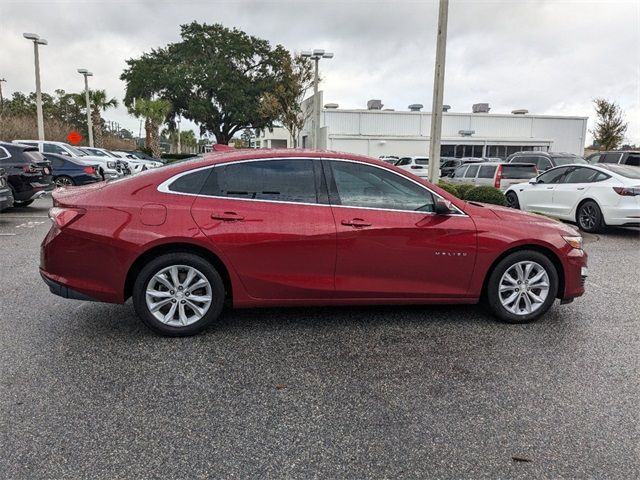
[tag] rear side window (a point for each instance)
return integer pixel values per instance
(33, 156)
(278, 180)
(4, 153)
(403, 161)
(581, 175)
(422, 161)
(471, 171)
(487, 171)
(512, 171)
(543, 163)
(190, 182)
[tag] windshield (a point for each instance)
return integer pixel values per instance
(422, 161)
(97, 153)
(568, 160)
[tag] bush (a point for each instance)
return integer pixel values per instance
(462, 189)
(448, 187)
(485, 195)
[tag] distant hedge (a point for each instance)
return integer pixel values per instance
(484, 194)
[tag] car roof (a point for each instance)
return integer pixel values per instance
(18, 146)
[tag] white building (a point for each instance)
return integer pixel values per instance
(278, 138)
(377, 132)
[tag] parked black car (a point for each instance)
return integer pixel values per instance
(623, 158)
(6, 197)
(545, 160)
(28, 172)
(69, 171)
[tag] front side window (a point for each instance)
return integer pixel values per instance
(371, 187)
(277, 180)
(610, 158)
(471, 171)
(53, 148)
(553, 176)
(459, 173)
(403, 161)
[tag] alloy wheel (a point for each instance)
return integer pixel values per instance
(524, 288)
(588, 217)
(63, 182)
(178, 295)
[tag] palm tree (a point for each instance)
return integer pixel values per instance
(99, 104)
(155, 114)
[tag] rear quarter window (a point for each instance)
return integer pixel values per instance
(487, 171)
(516, 172)
(191, 182)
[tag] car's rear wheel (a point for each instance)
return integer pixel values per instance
(512, 200)
(64, 181)
(589, 217)
(522, 287)
(178, 294)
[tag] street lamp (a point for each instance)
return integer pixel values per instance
(35, 38)
(86, 73)
(316, 55)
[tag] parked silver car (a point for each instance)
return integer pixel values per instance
(493, 174)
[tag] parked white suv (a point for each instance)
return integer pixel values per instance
(419, 166)
(108, 167)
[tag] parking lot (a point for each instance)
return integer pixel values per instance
(394, 392)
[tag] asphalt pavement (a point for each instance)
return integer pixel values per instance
(86, 391)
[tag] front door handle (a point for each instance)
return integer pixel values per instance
(580, 188)
(227, 217)
(356, 222)
(549, 188)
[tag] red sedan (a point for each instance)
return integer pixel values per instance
(293, 227)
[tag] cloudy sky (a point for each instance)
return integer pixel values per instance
(549, 56)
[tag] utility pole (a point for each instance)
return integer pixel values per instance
(179, 144)
(316, 55)
(1, 97)
(438, 93)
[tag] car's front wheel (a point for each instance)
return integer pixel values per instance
(522, 286)
(512, 200)
(178, 294)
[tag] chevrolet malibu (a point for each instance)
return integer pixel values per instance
(287, 228)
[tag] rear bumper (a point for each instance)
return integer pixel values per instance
(622, 215)
(64, 291)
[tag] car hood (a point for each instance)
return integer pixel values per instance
(517, 216)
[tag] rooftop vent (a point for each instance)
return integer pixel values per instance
(480, 108)
(521, 111)
(415, 107)
(446, 108)
(374, 105)
(331, 106)
(466, 133)
(388, 110)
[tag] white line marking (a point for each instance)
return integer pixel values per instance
(23, 216)
(8, 234)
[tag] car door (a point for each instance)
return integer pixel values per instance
(538, 197)
(458, 174)
(470, 174)
(574, 186)
(390, 244)
(271, 223)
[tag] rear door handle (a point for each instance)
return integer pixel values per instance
(227, 217)
(356, 222)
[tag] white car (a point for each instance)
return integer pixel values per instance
(419, 166)
(136, 164)
(109, 167)
(593, 196)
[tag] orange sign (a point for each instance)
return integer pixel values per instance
(74, 138)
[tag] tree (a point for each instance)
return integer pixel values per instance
(214, 77)
(610, 125)
(284, 103)
(99, 103)
(155, 113)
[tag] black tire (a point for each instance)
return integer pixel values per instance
(184, 259)
(24, 203)
(493, 285)
(512, 200)
(589, 217)
(64, 181)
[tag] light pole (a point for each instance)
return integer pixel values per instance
(86, 73)
(1, 97)
(438, 92)
(35, 38)
(316, 55)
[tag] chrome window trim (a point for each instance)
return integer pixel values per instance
(164, 186)
(7, 154)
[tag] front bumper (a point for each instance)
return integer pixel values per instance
(575, 274)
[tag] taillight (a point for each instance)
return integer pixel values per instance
(89, 170)
(498, 176)
(627, 191)
(63, 217)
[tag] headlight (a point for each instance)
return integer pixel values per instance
(575, 242)
(111, 164)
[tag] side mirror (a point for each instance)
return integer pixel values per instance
(442, 206)
(533, 181)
